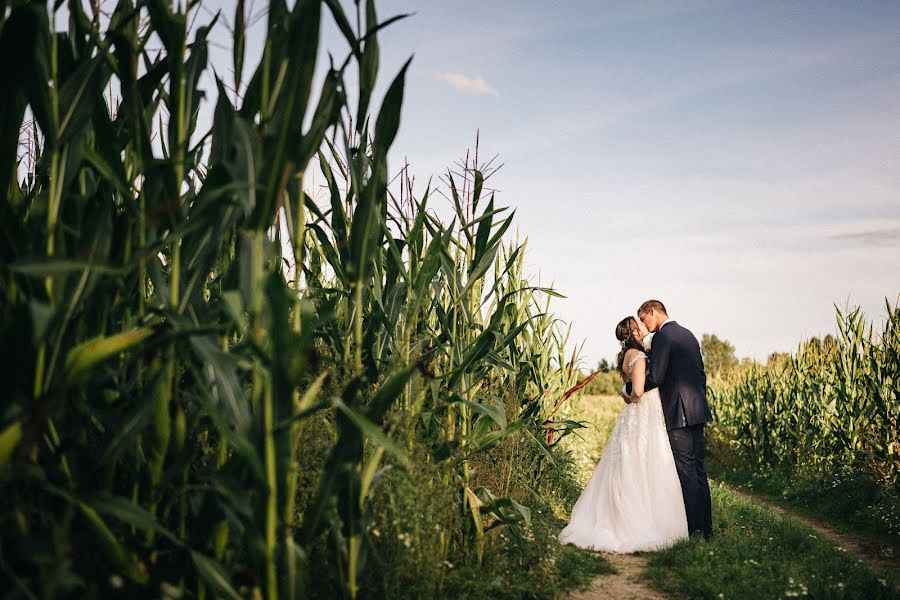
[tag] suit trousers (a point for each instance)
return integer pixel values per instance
(687, 448)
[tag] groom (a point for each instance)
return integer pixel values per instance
(676, 367)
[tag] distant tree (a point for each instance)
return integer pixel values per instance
(603, 365)
(718, 354)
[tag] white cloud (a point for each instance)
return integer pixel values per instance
(875, 237)
(469, 85)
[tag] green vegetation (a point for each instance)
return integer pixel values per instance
(824, 407)
(819, 429)
(216, 386)
(718, 354)
(219, 386)
(605, 381)
(756, 553)
(847, 500)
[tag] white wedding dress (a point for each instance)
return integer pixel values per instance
(633, 500)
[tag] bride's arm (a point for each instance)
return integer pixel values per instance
(638, 378)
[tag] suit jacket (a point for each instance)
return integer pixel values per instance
(676, 368)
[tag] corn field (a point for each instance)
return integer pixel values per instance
(825, 406)
(180, 312)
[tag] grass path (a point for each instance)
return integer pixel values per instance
(860, 547)
(759, 549)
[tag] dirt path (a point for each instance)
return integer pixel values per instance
(624, 584)
(866, 550)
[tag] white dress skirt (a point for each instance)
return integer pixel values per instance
(633, 500)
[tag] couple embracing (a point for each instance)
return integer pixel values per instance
(650, 488)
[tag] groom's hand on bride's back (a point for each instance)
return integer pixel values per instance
(626, 392)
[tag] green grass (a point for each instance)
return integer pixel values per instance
(536, 566)
(849, 501)
(756, 553)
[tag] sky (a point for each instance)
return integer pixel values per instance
(739, 161)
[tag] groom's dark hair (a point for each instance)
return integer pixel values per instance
(652, 305)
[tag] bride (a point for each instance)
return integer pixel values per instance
(633, 501)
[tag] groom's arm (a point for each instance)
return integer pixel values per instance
(659, 358)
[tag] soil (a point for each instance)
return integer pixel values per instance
(625, 584)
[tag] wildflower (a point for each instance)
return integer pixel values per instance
(116, 581)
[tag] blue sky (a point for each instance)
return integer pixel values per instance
(738, 160)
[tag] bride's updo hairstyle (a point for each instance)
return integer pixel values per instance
(629, 335)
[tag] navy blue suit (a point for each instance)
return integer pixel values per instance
(676, 367)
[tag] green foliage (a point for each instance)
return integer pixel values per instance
(718, 354)
(605, 383)
(415, 529)
(184, 412)
(756, 553)
(818, 430)
(846, 498)
(827, 408)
